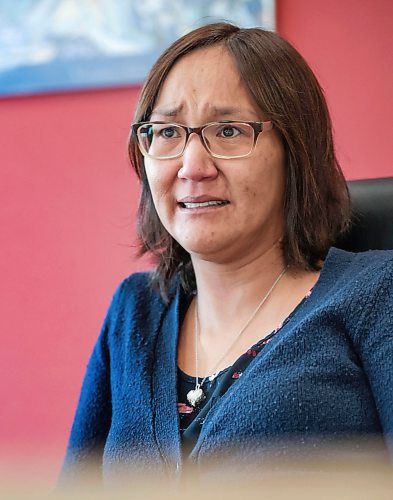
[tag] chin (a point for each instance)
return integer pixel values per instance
(195, 245)
(213, 251)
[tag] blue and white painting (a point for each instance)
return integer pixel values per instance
(56, 45)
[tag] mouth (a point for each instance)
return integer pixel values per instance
(203, 204)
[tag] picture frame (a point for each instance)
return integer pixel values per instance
(63, 45)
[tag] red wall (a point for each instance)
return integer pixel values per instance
(349, 45)
(67, 229)
(68, 202)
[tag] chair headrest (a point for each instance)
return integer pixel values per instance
(372, 216)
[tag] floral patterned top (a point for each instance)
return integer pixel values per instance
(191, 419)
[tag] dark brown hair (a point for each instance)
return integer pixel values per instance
(316, 201)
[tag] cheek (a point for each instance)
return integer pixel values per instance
(250, 191)
(161, 176)
(156, 182)
(160, 187)
(273, 179)
(263, 189)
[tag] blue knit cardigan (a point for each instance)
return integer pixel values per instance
(326, 377)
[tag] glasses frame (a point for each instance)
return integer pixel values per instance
(258, 127)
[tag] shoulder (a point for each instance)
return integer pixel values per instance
(135, 287)
(136, 301)
(356, 281)
(360, 285)
(374, 266)
(136, 292)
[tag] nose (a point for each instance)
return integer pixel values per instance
(197, 163)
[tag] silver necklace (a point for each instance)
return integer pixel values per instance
(196, 396)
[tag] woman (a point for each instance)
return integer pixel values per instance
(252, 338)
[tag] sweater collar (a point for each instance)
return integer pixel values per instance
(166, 418)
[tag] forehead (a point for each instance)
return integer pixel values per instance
(202, 82)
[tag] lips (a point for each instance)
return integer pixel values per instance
(201, 202)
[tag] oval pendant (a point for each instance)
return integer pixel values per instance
(195, 396)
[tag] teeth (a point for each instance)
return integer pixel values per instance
(204, 204)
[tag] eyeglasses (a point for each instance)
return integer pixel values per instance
(226, 139)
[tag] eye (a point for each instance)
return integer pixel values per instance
(168, 132)
(229, 131)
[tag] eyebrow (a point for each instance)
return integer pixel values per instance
(215, 112)
(168, 111)
(230, 110)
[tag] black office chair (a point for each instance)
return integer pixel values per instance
(372, 219)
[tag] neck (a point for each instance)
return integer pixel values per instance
(228, 293)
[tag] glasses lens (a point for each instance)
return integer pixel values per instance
(229, 139)
(161, 140)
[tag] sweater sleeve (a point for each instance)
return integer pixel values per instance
(94, 411)
(374, 342)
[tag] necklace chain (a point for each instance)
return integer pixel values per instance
(196, 395)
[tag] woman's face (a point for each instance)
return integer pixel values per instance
(205, 86)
